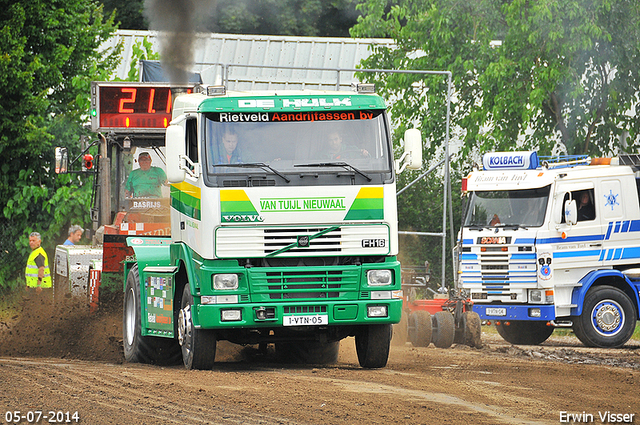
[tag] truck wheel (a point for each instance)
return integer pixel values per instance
(472, 326)
(132, 340)
(372, 345)
(419, 328)
(444, 329)
(198, 345)
(138, 348)
(608, 318)
(524, 332)
(308, 352)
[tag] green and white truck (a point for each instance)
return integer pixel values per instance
(286, 240)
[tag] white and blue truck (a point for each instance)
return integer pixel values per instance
(553, 243)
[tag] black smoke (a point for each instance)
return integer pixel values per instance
(178, 21)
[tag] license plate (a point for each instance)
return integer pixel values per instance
(492, 311)
(312, 320)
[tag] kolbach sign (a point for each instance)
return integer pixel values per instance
(510, 161)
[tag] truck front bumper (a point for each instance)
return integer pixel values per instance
(352, 312)
(495, 312)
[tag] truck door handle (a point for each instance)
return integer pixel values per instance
(595, 245)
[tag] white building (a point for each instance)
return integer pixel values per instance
(249, 61)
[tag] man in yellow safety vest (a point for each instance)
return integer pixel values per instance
(37, 272)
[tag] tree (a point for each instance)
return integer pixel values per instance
(558, 77)
(286, 17)
(129, 13)
(49, 55)
(271, 17)
(554, 76)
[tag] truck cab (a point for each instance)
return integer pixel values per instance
(549, 243)
(280, 233)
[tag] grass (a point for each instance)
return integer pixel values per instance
(636, 333)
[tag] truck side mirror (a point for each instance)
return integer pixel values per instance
(571, 212)
(412, 156)
(175, 148)
(62, 160)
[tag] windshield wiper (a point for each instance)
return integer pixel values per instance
(342, 164)
(262, 165)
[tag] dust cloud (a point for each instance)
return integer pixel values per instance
(62, 330)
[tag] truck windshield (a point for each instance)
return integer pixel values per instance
(271, 148)
(524, 208)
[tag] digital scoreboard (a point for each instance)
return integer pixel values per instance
(130, 106)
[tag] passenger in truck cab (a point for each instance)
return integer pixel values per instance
(146, 181)
(338, 150)
(586, 211)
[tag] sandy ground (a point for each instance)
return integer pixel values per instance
(65, 360)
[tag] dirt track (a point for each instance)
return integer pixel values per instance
(76, 365)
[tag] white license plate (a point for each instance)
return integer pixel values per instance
(492, 311)
(313, 320)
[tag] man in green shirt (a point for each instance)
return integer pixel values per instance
(146, 181)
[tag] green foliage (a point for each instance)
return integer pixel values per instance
(286, 17)
(549, 75)
(129, 13)
(141, 50)
(44, 89)
(324, 18)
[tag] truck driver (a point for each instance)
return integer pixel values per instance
(146, 181)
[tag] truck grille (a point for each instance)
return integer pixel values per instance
(497, 272)
(258, 242)
(313, 283)
(275, 239)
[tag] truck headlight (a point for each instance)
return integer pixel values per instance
(377, 311)
(225, 281)
(379, 277)
(535, 296)
(230, 315)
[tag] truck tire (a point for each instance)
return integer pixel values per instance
(198, 345)
(472, 327)
(525, 332)
(372, 345)
(608, 318)
(138, 348)
(419, 328)
(444, 329)
(308, 352)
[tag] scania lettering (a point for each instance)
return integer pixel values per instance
(553, 244)
(277, 236)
